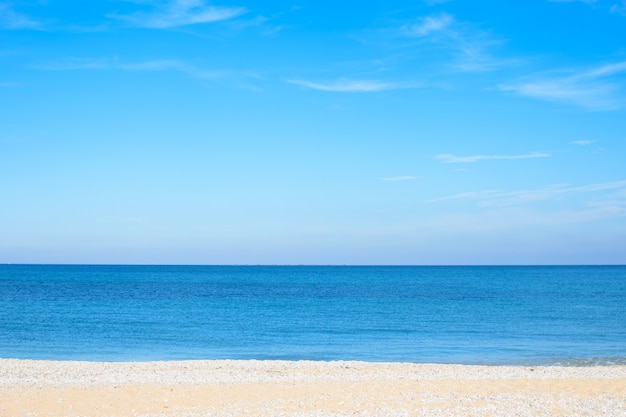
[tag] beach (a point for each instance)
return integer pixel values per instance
(305, 388)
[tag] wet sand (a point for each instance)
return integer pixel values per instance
(282, 388)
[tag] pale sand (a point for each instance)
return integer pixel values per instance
(277, 388)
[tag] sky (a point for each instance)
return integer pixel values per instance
(313, 132)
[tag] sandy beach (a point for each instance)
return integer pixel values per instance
(281, 388)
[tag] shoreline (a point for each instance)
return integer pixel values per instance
(305, 388)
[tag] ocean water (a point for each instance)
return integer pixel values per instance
(574, 315)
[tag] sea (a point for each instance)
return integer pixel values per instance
(516, 315)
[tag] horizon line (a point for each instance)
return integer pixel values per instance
(309, 265)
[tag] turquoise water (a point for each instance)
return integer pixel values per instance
(497, 315)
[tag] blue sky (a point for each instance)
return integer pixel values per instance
(313, 132)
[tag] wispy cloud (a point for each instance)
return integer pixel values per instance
(173, 65)
(77, 64)
(572, 1)
(470, 47)
(619, 8)
(400, 178)
(345, 85)
(175, 13)
(475, 57)
(581, 142)
(428, 25)
(10, 19)
(468, 195)
(453, 159)
(155, 65)
(498, 198)
(607, 70)
(595, 89)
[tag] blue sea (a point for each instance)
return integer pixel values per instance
(571, 315)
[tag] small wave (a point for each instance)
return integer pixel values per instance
(583, 362)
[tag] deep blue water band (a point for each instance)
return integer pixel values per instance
(494, 314)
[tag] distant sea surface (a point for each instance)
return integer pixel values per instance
(571, 315)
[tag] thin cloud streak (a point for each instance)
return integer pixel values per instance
(453, 159)
(76, 64)
(498, 198)
(595, 89)
(573, 1)
(428, 25)
(473, 57)
(619, 8)
(157, 65)
(168, 65)
(470, 47)
(181, 13)
(10, 19)
(435, 2)
(350, 86)
(400, 178)
(609, 69)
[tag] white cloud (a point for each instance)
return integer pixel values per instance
(498, 198)
(10, 19)
(592, 96)
(428, 25)
(77, 64)
(468, 195)
(469, 46)
(474, 56)
(400, 178)
(595, 89)
(572, 1)
(157, 65)
(607, 70)
(581, 142)
(619, 8)
(453, 159)
(350, 86)
(181, 13)
(172, 65)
